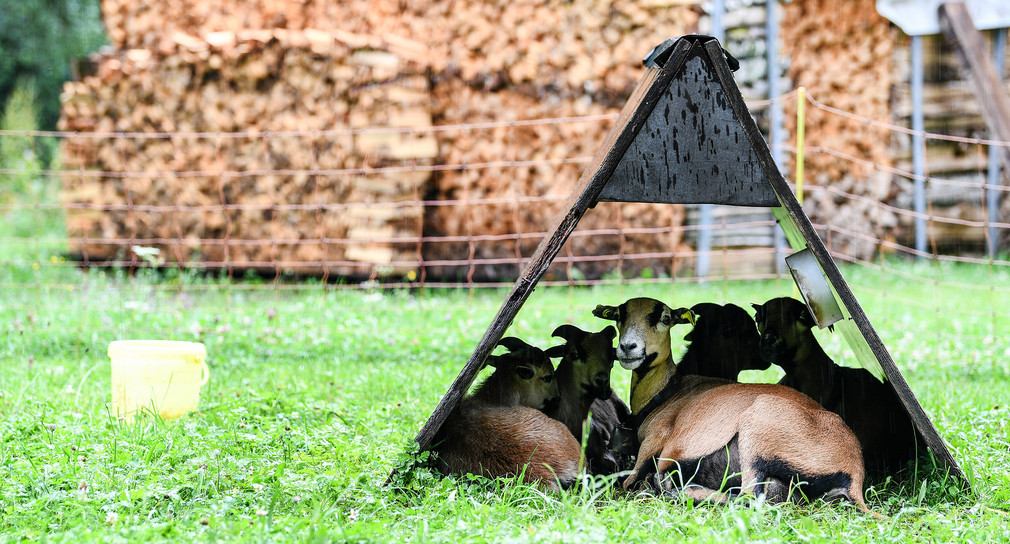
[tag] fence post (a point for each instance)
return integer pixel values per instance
(918, 148)
(701, 258)
(775, 123)
(992, 195)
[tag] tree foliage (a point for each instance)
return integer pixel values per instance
(38, 41)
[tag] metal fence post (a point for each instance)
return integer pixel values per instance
(992, 195)
(918, 147)
(702, 257)
(775, 120)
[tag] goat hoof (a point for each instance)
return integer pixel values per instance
(671, 494)
(662, 483)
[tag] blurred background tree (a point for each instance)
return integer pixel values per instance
(38, 41)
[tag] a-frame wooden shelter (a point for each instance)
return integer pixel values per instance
(686, 136)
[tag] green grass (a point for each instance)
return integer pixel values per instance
(316, 394)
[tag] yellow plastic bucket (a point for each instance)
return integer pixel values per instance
(158, 376)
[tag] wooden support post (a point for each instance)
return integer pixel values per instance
(974, 54)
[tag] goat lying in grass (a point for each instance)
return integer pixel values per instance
(869, 407)
(501, 429)
(710, 439)
(583, 377)
(723, 343)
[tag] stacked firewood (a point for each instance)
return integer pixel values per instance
(577, 44)
(841, 52)
(267, 197)
(257, 155)
(515, 61)
(515, 180)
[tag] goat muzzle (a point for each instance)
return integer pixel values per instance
(770, 348)
(551, 405)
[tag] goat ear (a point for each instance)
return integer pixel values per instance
(492, 361)
(606, 312)
(609, 331)
(684, 315)
(804, 317)
(526, 372)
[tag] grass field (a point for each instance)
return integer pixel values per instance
(316, 394)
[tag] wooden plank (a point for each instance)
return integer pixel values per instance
(372, 234)
(974, 54)
(739, 263)
(691, 150)
(371, 254)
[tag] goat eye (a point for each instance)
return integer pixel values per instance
(549, 378)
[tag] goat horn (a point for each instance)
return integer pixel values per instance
(512, 343)
(570, 333)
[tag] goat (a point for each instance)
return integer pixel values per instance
(723, 343)
(501, 430)
(761, 439)
(868, 406)
(583, 377)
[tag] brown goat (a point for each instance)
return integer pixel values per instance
(583, 377)
(711, 439)
(868, 406)
(500, 429)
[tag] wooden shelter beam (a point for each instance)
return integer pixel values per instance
(974, 55)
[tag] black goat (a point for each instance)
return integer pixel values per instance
(869, 407)
(583, 377)
(723, 342)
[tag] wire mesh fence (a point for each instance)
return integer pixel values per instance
(64, 225)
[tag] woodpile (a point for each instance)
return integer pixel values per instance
(582, 45)
(841, 52)
(949, 107)
(529, 60)
(272, 190)
(264, 199)
(524, 194)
